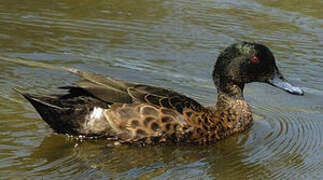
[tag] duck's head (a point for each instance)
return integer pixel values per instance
(247, 62)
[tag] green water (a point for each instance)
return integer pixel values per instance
(172, 44)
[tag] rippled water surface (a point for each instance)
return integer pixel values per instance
(173, 44)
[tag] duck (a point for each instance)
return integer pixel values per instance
(129, 112)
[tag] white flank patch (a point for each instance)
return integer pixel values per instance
(94, 121)
(96, 113)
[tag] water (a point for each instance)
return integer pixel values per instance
(173, 44)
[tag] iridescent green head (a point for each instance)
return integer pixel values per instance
(247, 62)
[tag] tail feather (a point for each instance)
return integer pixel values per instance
(58, 118)
(71, 115)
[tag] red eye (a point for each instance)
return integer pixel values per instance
(254, 59)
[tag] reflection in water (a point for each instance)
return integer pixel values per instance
(222, 158)
(172, 44)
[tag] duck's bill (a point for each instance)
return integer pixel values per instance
(279, 81)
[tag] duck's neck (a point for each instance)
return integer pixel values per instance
(233, 111)
(231, 90)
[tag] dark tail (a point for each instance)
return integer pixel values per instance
(62, 119)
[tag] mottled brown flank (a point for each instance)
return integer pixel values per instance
(166, 119)
(164, 102)
(155, 126)
(134, 123)
(170, 112)
(189, 113)
(150, 111)
(167, 127)
(200, 127)
(141, 132)
(147, 120)
(152, 99)
(151, 124)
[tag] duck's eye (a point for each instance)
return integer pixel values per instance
(254, 59)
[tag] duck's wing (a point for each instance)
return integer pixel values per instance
(102, 87)
(118, 91)
(162, 97)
